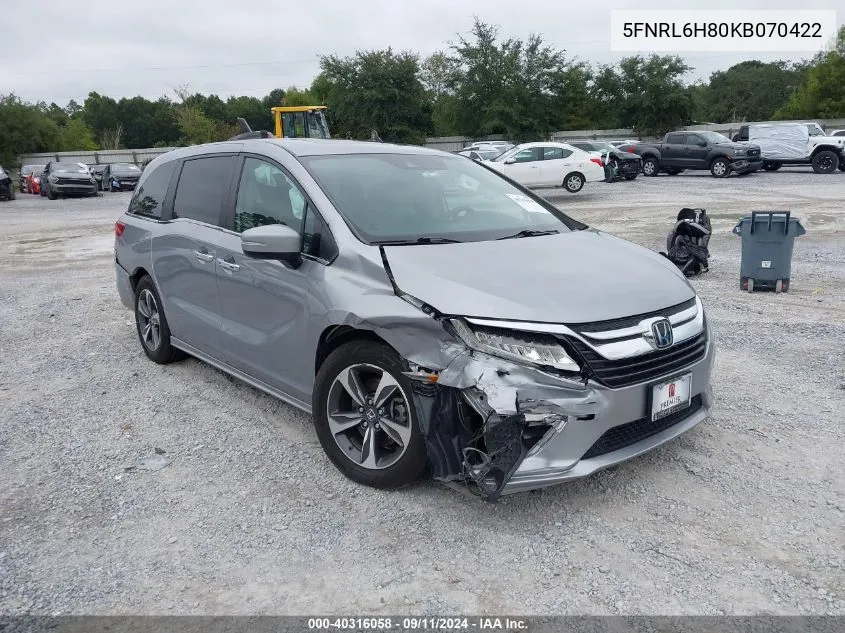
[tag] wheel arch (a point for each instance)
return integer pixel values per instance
(137, 275)
(334, 336)
(827, 148)
(724, 157)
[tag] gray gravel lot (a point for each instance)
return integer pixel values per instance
(744, 514)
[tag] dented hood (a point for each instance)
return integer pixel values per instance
(574, 277)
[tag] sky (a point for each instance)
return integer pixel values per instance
(57, 50)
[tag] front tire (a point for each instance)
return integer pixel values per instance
(51, 195)
(151, 324)
(825, 162)
(650, 167)
(631, 177)
(573, 182)
(364, 417)
(720, 168)
(11, 192)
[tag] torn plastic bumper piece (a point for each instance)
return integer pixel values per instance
(502, 427)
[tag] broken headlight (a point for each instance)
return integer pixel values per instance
(522, 347)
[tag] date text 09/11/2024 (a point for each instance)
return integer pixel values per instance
(376, 624)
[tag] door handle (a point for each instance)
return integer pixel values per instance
(204, 257)
(230, 266)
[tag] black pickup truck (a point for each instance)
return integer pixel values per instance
(697, 150)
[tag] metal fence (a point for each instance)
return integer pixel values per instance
(137, 156)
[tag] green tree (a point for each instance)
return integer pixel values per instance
(378, 90)
(644, 93)
(24, 129)
(436, 76)
(512, 87)
(750, 91)
(75, 135)
(823, 94)
(101, 113)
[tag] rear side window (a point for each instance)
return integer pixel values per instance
(556, 153)
(149, 197)
(678, 139)
(202, 186)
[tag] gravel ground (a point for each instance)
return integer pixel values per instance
(745, 514)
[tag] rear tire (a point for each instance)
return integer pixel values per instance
(631, 177)
(779, 286)
(750, 285)
(368, 365)
(720, 168)
(771, 165)
(674, 172)
(573, 182)
(11, 192)
(651, 167)
(151, 324)
(825, 162)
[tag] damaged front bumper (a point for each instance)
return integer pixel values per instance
(504, 427)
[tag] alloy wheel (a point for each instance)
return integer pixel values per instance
(369, 416)
(149, 319)
(573, 183)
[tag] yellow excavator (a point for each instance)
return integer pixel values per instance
(290, 122)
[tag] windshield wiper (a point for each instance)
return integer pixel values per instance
(529, 233)
(419, 240)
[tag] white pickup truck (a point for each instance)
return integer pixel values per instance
(795, 144)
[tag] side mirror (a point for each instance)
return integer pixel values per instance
(274, 241)
(510, 161)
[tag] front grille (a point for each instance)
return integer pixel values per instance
(73, 181)
(631, 321)
(633, 432)
(637, 369)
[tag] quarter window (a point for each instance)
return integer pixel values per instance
(202, 187)
(149, 196)
(556, 153)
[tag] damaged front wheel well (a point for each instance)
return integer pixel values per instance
(335, 336)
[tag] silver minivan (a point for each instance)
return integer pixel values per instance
(432, 315)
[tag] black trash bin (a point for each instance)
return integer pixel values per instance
(767, 241)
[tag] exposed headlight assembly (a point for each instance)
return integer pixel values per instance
(521, 347)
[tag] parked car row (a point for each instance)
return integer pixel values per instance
(61, 179)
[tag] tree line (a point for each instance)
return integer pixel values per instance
(480, 84)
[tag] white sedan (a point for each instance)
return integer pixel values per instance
(549, 165)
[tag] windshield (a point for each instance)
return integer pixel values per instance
(317, 127)
(124, 167)
(406, 197)
(714, 137)
(76, 167)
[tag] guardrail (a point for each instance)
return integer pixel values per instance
(94, 158)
